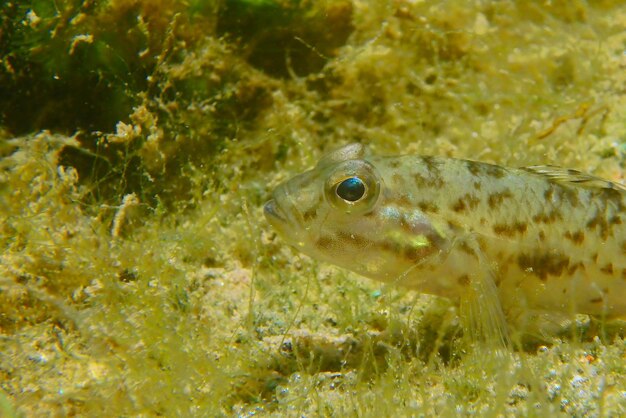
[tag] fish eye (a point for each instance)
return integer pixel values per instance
(351, 189)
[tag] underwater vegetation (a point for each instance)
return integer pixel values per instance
(140, 139)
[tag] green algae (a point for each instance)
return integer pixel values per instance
(138, 276)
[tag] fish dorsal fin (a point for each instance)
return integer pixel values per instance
(573, 177)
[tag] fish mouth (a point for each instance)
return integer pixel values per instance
(274, 213)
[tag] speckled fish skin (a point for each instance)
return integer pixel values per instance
(549, 241)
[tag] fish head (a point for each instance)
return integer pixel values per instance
(342, 212)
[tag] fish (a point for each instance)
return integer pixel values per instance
(518, 250)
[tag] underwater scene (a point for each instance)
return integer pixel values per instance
(292, 208)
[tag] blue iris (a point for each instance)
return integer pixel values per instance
(351, 189)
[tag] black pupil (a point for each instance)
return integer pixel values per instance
(351, 189)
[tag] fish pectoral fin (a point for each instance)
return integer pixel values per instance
(482, 316)
(480, 308)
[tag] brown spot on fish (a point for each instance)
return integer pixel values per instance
(548, 218)
(548, 193)
(395, 163)
(464, 246)
(509, 230)
(494, 171)
(473, 167)
(422, 181)
(352, 239)
(569, 195)
(454, 225)
(435, 182)
(543, 265)
(413, 254)
(390, 246)
(325, 243)
(596, 300)
(608, 269)
(408, 252)
(310, 213)
(428, 206)
(459, 205)
(495, 199)
(542, 236)
(477, 185)
(463, 280)
(574, 267)
(432, 164)
(465, 202)
(598, 222)
(577, 237)
(615, 197)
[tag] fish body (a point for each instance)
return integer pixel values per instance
(514, 247)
